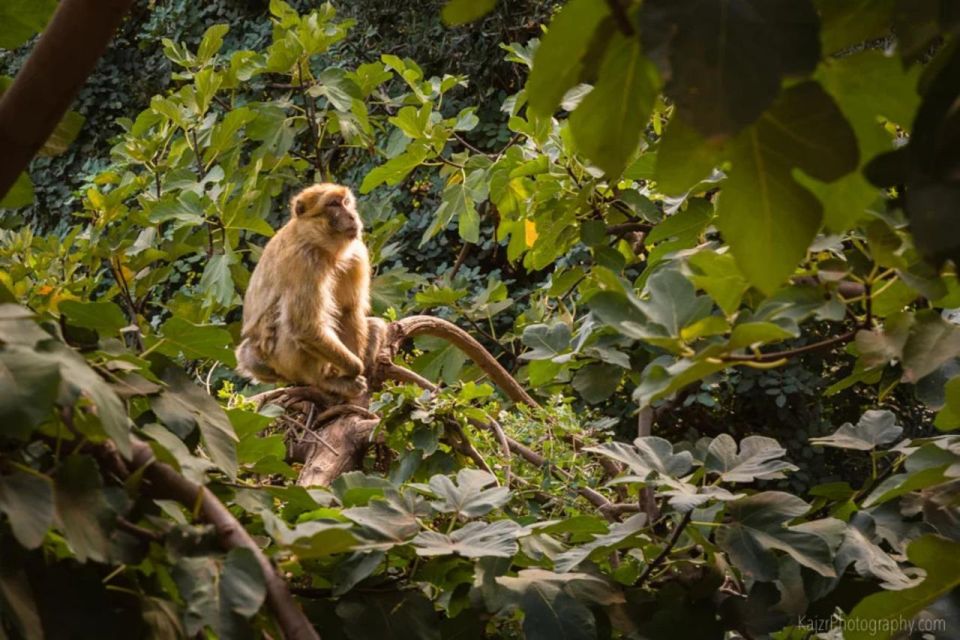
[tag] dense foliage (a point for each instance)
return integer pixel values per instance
(727, 220)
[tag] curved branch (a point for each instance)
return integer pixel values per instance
(165, 482)
(402, 374)
(63, 57)
(430, 326)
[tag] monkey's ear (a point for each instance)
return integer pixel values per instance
(301, 202)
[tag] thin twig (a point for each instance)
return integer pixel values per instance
(671, 543)
(789, 353)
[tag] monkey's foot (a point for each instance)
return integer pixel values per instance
(344, 386)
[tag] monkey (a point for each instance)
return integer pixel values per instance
(305, 309)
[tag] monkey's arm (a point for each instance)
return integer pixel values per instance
(352, 299)
(326, 345)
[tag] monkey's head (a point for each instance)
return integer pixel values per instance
(330, 211)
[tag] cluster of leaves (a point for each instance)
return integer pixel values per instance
(666, 229)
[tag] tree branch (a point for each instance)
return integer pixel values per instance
(427, 325)
(65, 55)
(790, 353)
(402, 374)
(165, 482)
(671, 543)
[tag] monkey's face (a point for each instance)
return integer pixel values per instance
(331, 209)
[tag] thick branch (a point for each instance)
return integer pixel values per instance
(430, 326)
(165, 482)
(345, 441)
(59, 64)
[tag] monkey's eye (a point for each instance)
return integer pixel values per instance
(336, 202)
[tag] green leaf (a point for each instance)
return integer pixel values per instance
(596, 382)
(880, 346)
(20, 607)
(82, 509)
(394, 170)
(336, 86)
(649, 456)
(948, 418)
(867, 87)
(671, 301)
(394, 517)
(399, 615)
(608, 124)
(457, 12)
(181, 336)
(684, 158)
(21, 19)
(849, 22)
(758, 459)
(554, 605)
(940, 558)
(545, 341)
(312, 539)
(563, 54)
(79, 382)
(767, 218)
(217, 280)
(27, 501)
(63, 134)
(473, 540)
(105, 317)
(727, 57)
(621, 534)
(211, 42)
(758, 527)
(470, 497)
(20, 194)
(184, 406)
(28, 389)
(755, 333)
(443, 361)
(242, 586)
(875, 428)
(869, 560)
(220, 596)
(932, 341)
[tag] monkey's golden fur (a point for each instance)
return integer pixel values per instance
(305, 310)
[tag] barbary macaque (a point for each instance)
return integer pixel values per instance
(305, 310)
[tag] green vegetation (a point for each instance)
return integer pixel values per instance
(707, 250)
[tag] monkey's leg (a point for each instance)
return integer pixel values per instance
(325, 346)
(252, 364)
